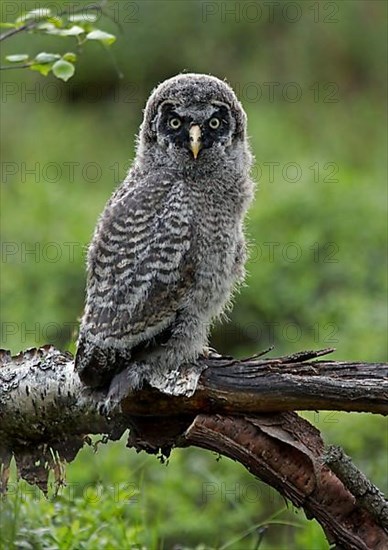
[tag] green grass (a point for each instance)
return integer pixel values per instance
(126, 501)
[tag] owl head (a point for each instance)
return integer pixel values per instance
(192, 120)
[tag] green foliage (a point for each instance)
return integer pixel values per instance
(63, 69)
(17, 58)
(43, 22)
(103, 37)
(323, 284)
(129, 501)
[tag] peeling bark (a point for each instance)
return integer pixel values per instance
(285, 451)
(237, 410)
(367, 494)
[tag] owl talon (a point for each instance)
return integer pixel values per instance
(211, 353)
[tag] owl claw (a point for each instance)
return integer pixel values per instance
(211, 353)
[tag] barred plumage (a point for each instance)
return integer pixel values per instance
(169, 247)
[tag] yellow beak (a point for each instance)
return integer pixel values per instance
(195, 139)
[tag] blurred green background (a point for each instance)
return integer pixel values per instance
(312, 78)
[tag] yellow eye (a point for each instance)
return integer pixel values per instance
(214, 123)
(175, 123)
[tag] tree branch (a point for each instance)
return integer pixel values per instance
(8, 67)
(28, 26)
(33, 23)
(286, 452)
(45, 413)
(367, 494)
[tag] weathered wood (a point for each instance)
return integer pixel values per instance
(367, 494)
(46, 412)
(38, 385)
(286, 452)
(282, 384)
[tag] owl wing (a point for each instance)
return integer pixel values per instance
(140, 265)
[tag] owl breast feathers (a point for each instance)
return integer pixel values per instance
(169, 247)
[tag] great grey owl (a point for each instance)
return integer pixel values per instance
(169, 247)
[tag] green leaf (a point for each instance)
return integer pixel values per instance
(70, 56)
(102, 36)
(40, 12)
(51, 29)
(43, 69)
(34, 14)
(7, 25)
(63, 69)
(55, 20)
(44, 57)
(75, 30)
(83, 17)
(17, 58)
(46, 26)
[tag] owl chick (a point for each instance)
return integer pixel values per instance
(169, 247)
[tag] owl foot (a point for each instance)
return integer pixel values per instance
(211, 353)
(181, 381)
